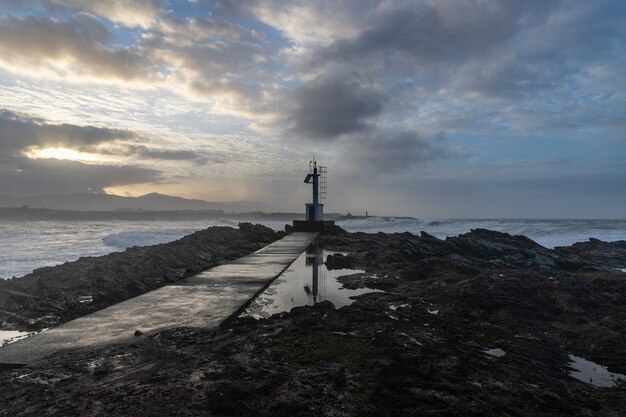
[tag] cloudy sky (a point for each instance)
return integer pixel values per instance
(432, 108)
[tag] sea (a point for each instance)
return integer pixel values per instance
(27, 245)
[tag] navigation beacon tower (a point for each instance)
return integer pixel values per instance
(314, 212)
(317, 177)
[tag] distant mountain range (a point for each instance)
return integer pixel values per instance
(106, 202)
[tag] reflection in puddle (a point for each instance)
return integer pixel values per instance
(307, 281)
(592, 373)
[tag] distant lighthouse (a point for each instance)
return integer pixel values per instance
(314, 211)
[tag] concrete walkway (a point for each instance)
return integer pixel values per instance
(203, 300)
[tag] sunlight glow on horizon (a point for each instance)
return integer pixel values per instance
(219, 190)
(63, 154)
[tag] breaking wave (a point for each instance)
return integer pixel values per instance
(549, 233)
(61, 241)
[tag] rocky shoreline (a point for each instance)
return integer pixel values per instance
(482, 324)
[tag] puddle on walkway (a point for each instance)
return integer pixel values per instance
(11, 336)
(307, 281)
(592, 373)
(496, 352)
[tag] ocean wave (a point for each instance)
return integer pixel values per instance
(549, 233)
(381, 224)
(61, 241)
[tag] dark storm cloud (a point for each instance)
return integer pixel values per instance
(570, 45)
(327, 108)
(396, 152)
(434, 32)
(18, 132)
(431, 42)
(142, 152)
(23, 176)
(81, 41)
(503, 48)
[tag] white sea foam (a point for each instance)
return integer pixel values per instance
(549, 233)
(29, 245)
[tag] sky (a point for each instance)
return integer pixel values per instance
(428, 108)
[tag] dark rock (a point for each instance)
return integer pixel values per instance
(138, 332)
(335, 230)
(608, 254)
(353, 282)
(340, 261)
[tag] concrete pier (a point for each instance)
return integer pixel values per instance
(203, 300)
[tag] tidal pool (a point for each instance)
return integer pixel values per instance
(592, 373)
(306, 281)
(496, 352)
(10, 336)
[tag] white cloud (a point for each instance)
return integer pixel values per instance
(308, 23)
(74, 48)
(142, 13)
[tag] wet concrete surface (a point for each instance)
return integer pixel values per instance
(203, 300)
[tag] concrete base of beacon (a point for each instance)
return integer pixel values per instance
(312, 226)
